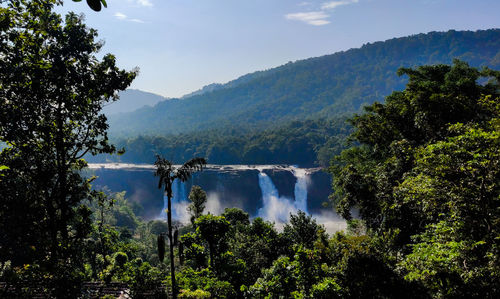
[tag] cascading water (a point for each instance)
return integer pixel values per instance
(179, 201)
(300, 190)
(230, 186)
(274, 208)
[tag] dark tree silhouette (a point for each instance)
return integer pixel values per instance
(95, 5)
(168, 173)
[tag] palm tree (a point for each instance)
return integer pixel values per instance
(168, 173)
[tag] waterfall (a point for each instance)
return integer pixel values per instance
(274, 208)
(179, 202)
(231, 186)
(300, 190)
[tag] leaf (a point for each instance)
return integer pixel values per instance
(120, 151)
(94, 4)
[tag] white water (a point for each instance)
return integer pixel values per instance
(300, 190)
(278, 208)
(275, 208)
(179, 203)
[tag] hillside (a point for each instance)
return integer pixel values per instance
(131, 100)
(317, 87)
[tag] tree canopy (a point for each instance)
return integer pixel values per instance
(426, 172)
(52, 88)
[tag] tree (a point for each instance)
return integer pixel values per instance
(213, 230)
(389, 135)
(455, 187)
(198, 198)
(52, 89)
(303, 230)
(426, 174)
(168, 173)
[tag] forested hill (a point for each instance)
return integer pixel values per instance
(317, 87)
(131, 100)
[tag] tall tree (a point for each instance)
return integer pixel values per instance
(198, 198)
(168, 173)
(213, 230)
(52, 89)
(388, 135)
(425, 178)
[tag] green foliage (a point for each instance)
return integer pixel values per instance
(198, 294)
(194, 251)
(52, 89)
(204, 280)
(168, 173)
(326, 289)
(306, 142)
(391, 132)
(257, 244)
(213, 230)
(158, 227)
(276, 281)
(120, 259)
(313, 88)
(456, 189)
(426, 173)
(198, 199)
(303, 230)
(236, 217)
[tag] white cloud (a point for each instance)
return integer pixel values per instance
(319, 17)
(137, 21)
(120, 16)
(145, 3)
(316, 18)
(335, 4)
(123, 17)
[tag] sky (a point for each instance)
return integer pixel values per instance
(180, 46)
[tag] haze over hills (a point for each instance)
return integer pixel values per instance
(317, 87)
(132, 99)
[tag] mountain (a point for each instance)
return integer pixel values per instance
(321, 87)
(217, 86)
(132, 99)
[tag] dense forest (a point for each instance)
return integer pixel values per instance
(317, 87)
(304, 143)
(423, 172)
(230, 123)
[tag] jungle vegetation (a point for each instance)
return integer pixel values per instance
(422, 170)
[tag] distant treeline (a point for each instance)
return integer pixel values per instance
(305, 143)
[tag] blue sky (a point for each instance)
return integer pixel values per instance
(182, 45)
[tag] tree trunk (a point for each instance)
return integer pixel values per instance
(211, 249)
(170, 238)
